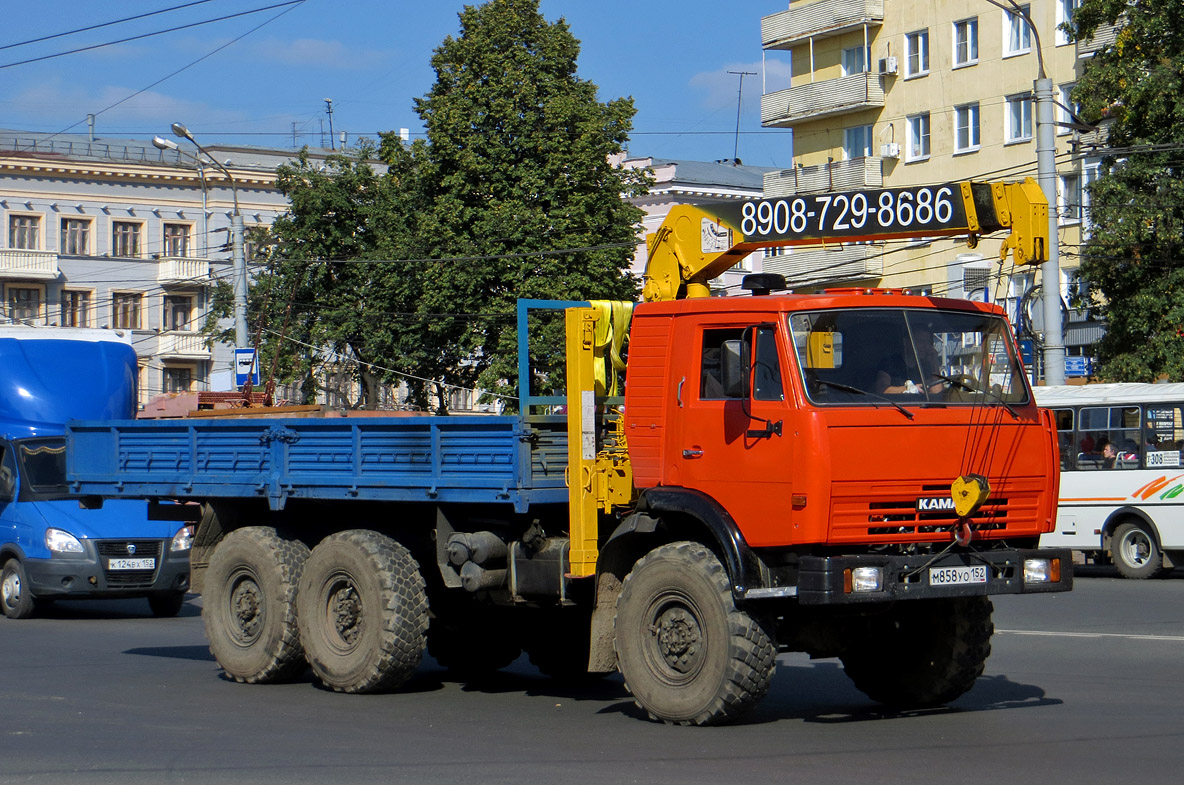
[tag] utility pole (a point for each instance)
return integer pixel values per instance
(329, 111)
(739, 99)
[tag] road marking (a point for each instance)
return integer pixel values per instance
(1051, 634)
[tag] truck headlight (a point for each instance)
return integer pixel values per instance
(182, 540)
(1042, 570)
(60, 541)
(863, 579)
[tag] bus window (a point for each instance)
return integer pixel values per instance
(1163, 434)
(1109, 438)
(1064, 420)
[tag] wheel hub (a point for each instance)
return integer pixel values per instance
(345, 609)
(247, 609)
(679, 638)
(12, 589)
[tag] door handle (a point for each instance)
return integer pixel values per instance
(696, 453)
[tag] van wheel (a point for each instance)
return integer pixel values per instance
(17, 599)
(166, 605)
(1135, 552)
(688, 654)
(363, 612)
(250, 605)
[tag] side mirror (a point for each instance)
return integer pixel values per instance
(735, 370)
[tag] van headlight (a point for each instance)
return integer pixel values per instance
(182, 540)
(60, 541)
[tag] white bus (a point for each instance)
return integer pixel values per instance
(1122, 476)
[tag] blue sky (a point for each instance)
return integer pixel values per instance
(372, 58)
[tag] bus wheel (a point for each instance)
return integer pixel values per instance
(1135, 552)
(688, 654)
(363, 612)
(249, 607)
(920, 653)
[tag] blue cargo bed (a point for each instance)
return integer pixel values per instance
(504, 460)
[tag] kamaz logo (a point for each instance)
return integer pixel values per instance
(936, 504)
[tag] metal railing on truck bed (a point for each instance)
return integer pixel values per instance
(504, 460)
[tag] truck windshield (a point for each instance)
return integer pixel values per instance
(43, 465)
(856, 356)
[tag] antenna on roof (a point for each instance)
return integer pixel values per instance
(739, 98)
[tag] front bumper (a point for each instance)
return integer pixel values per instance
(822, 579)
(88, 574)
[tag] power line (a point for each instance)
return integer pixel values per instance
(149, 35)
(103, 24)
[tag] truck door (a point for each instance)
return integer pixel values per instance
(719, 451)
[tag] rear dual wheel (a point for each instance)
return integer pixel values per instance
(363, 612)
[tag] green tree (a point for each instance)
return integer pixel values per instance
(1133, 261)
(517, 172)
(514, 174)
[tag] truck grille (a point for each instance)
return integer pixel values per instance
(129, 579)
(892, 515)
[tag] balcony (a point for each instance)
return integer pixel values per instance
(28, 265)
(820, 19)
(822, 266)
(1103, 36)
(850, 175)
(177, 271)
(178, 346)
(830, 97)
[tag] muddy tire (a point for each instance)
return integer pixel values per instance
(921, 652)
(688, 654)
(1135, 551)
(363, 612)
(249, 605)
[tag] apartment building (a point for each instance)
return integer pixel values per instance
(118, 234)
(889, 93)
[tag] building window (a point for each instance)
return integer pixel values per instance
(24, 303)
(965, 42)
(1065, 9)
(125, 310)
(177, 379)
(966, 134)
(24, 232)
(1067, 108)
(917, 47)
(125, 239)
(1019, 118)
(75, 309)
(76, 236)
(178, 312)
(918, 126)
(176, 239)
(1017, 36)
(1069, 202)
(856, 60)
(857, 142)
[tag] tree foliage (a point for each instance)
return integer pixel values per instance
(1133, 260)
(511, 195)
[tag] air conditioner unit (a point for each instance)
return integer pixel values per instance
(887, 65)
(890, 150)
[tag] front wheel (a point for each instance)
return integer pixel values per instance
(17, 599)
(250, 605)
(363, 612)
(688, 654)
(1135, 551)
(920, 653)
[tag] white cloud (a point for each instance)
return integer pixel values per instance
(55, 103)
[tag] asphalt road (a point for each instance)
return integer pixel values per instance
(1083, 687)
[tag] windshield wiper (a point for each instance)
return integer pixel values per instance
(956, 382)
(857, 391)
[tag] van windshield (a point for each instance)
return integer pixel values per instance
(854, 356)
(43, 465)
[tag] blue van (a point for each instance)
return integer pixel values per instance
(50, 546)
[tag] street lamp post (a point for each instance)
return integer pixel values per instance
(236, 236)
